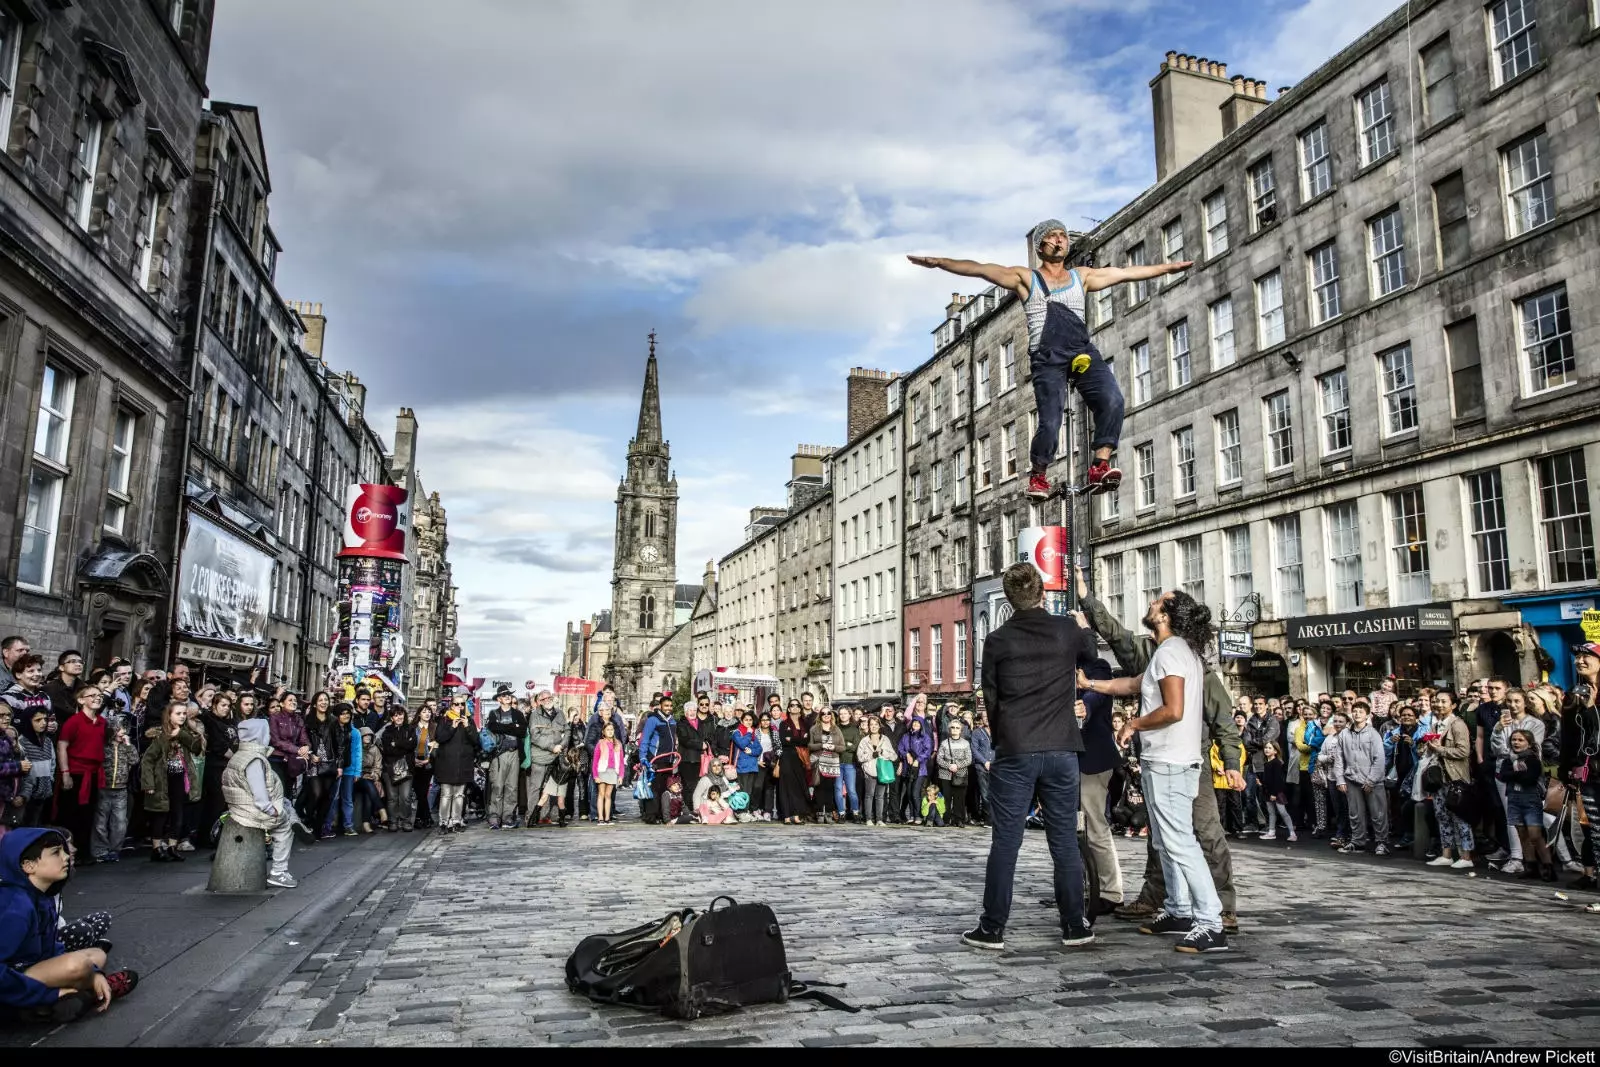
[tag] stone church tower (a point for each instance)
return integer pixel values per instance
(644, 568)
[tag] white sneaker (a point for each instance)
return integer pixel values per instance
(185, 846)
(1440, 861)
(1511, 867)
(282, 881)
(1572, 867)
(1461, 865)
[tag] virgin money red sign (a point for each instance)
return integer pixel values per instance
(375, 522)
(574, 687)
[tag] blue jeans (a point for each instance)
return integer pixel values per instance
(1169, 792)
(1013, 780)
(845, 786)
(344, 803)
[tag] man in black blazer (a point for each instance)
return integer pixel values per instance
(1030, 669)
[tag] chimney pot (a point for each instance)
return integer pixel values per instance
(1283, 89)
(1238, 83)
(1222, 70)
(1261, 90)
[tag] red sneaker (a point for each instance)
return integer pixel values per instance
(122, 983)
(1038, 487)
(1103, 477)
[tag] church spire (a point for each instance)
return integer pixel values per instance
(649, 431)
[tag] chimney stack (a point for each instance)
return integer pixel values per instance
(1249, 99)
(1196, 104)
(866, 400)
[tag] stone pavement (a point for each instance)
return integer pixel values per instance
(464, 942)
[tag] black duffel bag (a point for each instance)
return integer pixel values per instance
(687, 964)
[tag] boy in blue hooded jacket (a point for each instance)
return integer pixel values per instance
(36, 971)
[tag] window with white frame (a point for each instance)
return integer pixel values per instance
(1008, 366)
(85, 174)
(1141, 372)
(1263, 196)
(1008, 537)
(985, 564)
(1513, 33)
(1150, 574)
(916, 497)
(1220, 315)
(1140, 289)
(936, 644)
(914, 651)
(1376, 117)
(1144, 466)
(936, 402)
(1230, 454)
(938, 488)
(1236, 547)
(1269, 309)
(961, 652)
(1008, 450)
(1183, 460)
(1104, 306)
(1565, 525)
(1279, 430)
(1111, 582)
(958, 389)
(1111, 506)
(1316, 166)
(1289, 580)
(1408, 546)
(1399, 390)
(985, 471)
(1343, 522)
(1172, 245)
(1530, 191)
(919, 414)
(1486, 512)
(175, 13)
(46, 479)
(1333, 400)
(1386, 251)
(148, 229)
(1178, 353)
(1438, 67)
(1214, 214)
(1191, 568)
(119, 471)
(962, 484)
(10, 60)
(1545, 339)
(981, 389)
(1322, 270)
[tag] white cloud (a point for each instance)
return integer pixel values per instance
(1310, 35)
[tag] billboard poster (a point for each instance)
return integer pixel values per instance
(224, 586)
(1046, 548)
(376, 518)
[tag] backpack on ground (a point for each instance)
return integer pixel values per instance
(687, 964)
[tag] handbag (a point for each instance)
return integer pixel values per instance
(885, 771)
(641, 788)
(400, 770)
(739, 801)
(1555, 798)
(828, 764)
(486, 741)
(1460, 802)
(1432, 778)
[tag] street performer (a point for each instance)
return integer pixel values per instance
(1059, 349)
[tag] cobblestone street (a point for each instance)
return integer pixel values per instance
(464, 941)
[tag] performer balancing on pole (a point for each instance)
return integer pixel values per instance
(1059, 349)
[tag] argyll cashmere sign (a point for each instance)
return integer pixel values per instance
(1380, 627)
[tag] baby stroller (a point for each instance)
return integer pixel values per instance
(476, 795)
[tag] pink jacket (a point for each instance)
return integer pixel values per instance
(607, 756)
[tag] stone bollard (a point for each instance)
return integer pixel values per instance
(241, 862)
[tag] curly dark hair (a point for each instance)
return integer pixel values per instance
(1190, 620)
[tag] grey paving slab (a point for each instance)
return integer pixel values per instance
(464, 943)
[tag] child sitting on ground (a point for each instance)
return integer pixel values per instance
(714, 811)
(673, 805)
(932, 806)
(37, 973)
(1130, 815)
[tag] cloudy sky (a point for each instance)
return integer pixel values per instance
(496, 207)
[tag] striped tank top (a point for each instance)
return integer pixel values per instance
(1040, 297)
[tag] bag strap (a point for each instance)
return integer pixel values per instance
(713, 906)
(804, 991)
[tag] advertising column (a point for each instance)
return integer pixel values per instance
(371, 579)
(1047, 548)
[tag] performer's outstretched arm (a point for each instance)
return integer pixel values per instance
(1097, 278)
(1014, 278)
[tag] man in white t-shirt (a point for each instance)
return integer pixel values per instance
(1171, 697)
